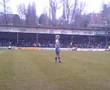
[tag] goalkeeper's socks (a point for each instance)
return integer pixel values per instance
(56, 59)
(59, 59)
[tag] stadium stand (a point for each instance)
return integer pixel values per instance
(40, 37)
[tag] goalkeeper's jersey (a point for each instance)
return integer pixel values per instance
(57, 43)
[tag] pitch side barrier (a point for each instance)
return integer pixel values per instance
(78, 49)
(62, 49)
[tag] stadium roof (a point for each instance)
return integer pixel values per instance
(93, 27)
(47, 30)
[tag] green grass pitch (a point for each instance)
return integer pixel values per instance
(37, 70)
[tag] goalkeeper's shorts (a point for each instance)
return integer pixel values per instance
(57, 50)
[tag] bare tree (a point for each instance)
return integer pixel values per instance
(28, 13)
(44, 19)
(74, 10)
(67, 9)
(31, 15)
(106, 13)
(53, 9)
(4, 5)
(70, 8)
(22, 10)
(82, 6)
(54, 6)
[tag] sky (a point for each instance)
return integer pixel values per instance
(42, 5)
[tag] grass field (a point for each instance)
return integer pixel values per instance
(36, 70)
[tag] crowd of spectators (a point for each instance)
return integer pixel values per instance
(80, 42)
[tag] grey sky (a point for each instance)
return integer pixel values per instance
(42, 5)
